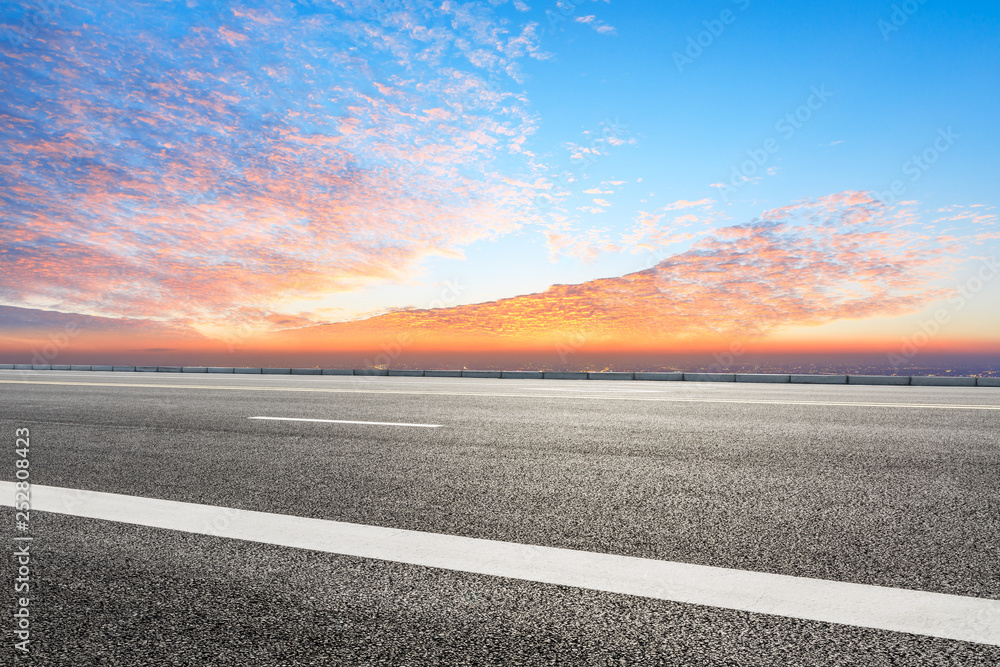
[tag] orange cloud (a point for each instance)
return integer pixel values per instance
(802, 265)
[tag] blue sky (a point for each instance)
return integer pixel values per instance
(221, 164)
(893, 88)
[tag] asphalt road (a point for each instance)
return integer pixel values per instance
(890, 486)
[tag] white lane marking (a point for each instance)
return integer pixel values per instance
(345, 421)
(606, 396)
(899, 610)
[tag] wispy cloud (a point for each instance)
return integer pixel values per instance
(597, 24)
(208, 166)
(679, 221)
(840, 257)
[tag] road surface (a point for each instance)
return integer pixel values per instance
(892, 488)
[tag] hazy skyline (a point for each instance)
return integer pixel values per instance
(543, 182)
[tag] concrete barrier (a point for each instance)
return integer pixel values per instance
(661, 377)
(521, 375)
(801, 378)
(941, 381)
(818, 379)
(481, 374)
(607, 375)
(710, 377)
(879, 379)
(762, 377)
(564, 375)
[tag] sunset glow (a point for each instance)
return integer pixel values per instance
(498, 184)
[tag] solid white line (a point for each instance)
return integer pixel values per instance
(899, 610)
(345, 421)
(606, 396)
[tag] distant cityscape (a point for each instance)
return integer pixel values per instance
(866, 369)
(967, 367)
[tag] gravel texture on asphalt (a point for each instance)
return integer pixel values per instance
(891, 496)
(115, 594)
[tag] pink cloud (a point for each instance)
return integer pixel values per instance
(171, 194)
(803, 265)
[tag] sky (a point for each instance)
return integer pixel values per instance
(544, 184)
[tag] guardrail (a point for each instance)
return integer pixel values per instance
(673, 376)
